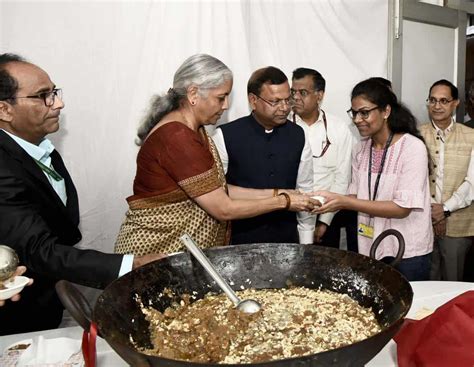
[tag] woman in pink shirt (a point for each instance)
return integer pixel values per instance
(389, 186)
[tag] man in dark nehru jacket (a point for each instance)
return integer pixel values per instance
(264, 150)
(39, 212)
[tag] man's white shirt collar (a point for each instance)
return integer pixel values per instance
(39, 152)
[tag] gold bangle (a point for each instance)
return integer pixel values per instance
(288, 200)
(275, 192)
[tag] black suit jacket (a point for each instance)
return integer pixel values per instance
(42, 231)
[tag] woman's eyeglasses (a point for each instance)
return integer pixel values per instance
(364, 114)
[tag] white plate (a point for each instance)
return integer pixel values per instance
(321, 199)
(14, 286)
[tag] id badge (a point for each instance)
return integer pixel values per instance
(365, 230)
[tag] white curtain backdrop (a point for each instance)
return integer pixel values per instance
(111, 56)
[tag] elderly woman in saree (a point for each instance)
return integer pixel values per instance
(180, 185)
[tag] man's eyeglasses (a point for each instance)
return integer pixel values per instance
(443, 101)
(364, 114)
(302, 92)
(280, 102)
(47, 97)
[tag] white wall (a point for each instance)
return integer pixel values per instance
(428, 55)
(110, 56)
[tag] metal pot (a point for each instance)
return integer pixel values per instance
(370, 282)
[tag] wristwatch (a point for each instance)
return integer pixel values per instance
(446, 211)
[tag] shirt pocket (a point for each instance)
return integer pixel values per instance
(328, 162)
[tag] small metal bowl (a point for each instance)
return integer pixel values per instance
(8, 262)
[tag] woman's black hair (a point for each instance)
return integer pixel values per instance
(400, 120)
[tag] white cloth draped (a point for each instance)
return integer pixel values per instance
(111, 56)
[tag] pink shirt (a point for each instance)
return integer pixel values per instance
(404, 180)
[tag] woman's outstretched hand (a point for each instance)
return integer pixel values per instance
(331, 202)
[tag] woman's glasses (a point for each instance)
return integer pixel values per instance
(364, 114)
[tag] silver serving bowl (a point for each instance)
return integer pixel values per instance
(8, 262)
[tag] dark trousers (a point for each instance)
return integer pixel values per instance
(469, 264)
(413, 268)
(449, 257)
(343, 219)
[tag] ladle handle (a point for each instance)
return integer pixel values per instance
(207, 265)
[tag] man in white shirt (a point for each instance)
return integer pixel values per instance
(450, 145)
(331, 143)
(39, 207)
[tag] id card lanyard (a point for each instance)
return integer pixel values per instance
(382, 163)
(368, 230)
(49, 171)
(327, 143)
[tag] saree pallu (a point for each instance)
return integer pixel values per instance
(158, 229)
(155, 224)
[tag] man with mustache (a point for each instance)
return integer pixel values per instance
(38, 202)
(264, 150)
(331, 143)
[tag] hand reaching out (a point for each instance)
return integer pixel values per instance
(301, 202)
(145, 259)
(332, 202)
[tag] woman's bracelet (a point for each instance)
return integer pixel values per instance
(275, 192)
(288, 200)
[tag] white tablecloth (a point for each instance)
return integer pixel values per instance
(426, 295)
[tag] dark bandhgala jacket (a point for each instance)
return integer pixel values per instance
(42, 231)
(263, 160)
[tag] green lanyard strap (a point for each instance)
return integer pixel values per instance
(49, 171)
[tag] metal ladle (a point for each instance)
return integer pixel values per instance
(246, 305)
(8, 262)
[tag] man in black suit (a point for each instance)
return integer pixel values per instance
(39, 212)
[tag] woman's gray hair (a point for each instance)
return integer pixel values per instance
(201, 70)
